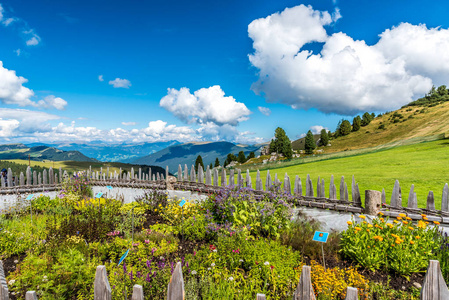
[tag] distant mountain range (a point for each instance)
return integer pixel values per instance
(187, 154)
(40, 153)
(112, 152)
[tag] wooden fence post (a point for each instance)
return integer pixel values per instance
(260, 297)
(137, 292)
(444, 202)
(430, 201)
(4, 294)
(352, 293)
(31, 295)
(434, 287)
(175, 289)
(304, 290)
(372, 202)
(102, 289)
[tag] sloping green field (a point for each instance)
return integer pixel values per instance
(426, 165)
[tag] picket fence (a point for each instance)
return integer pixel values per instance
(433, 287)
(209, 182)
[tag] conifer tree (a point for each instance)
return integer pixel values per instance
(309, 143)
(199, 161)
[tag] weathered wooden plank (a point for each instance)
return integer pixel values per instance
(28, 175)
(444, 199)
(137, 292)
(434, 287)
(323, 189)
(224, 179)
(331, 188)
(175, 290)
(430, 201)
(208, 176)
(239, 178)
(318, 188)
(342, 188)
(200, 174)
(304, 290)
(268, 182)
(231, 177)
(44, 177)
(258, 181)
(215, 177)
(346, 192)
(35, 178)
(21, 179)
(248, 180)
(309, 187)
(358, 198)
(298, 186)
(102, 289)
(352, 294)
(51, 176)
(411, 202)
(192, 174)
(260, 297)
(287, 185)
(31, 295)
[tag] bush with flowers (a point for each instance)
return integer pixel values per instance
(403, 246)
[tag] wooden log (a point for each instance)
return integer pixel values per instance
(298, 186)
(396, 197)
(4, 293)
(102, 289)
(137, 292)
(434, 287)
(342, 188)
(372, 202)
(352, 293)
(208, 176)
(224, 179)
(28, 175)
(444, 199)
(175, 290)
(216, 177)
(260, 297)
(31, 295)
(304, 290)
(323, 189)
(268, 182)
(9, 178)
(287, 185)
(430, 201)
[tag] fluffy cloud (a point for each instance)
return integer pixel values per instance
(347, 76)
(12, 91)
(119, 83)
(316, 129)
(7, 127)
(100, 78)
(129, 123)
(213, 132)
(264, 110)
(1, 12)
(205, 105)
(32, 38)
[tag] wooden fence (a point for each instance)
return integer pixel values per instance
(211, 181)
(433, 287)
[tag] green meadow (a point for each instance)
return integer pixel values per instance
(426, 165)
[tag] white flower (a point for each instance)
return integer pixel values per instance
(212, 264)
(215, 250)
(266, 263)
(231, 278)
(45, 276)
(193, 272)
(16, 261)
(208, 268)
(240, 260)
(12, 281)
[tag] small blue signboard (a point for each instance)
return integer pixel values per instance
(182, 202)
(30, 197)
(123, 257)
(320, 236)
(109, 187)
(98, 195)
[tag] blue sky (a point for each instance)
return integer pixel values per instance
(148, 71)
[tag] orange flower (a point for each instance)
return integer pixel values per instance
(380, 213)
(423, 215)
(357, 228)
(412, 242)
(381, 219)
(405, 222)
(390, 225)
(399, 218)
(411, 228)
(402, 215)
(408, 218)
(395, 221)
(421, 224)
(362, 217)
(436, 222)
(349, 223)
(424, 218)
(367, 230)
(417, 237)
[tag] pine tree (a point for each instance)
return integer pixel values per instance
(217, 163)
(324, 137)
(356, 122)
(366, 119)
(309, 143)
(199, 161)
(281, 143)
(345, 127)
(241, 158)
(251, 155)
(211, 166)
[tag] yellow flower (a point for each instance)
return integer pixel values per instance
(395, 221)
(424, 218)
(362, 217)
(411, 228)
(405, 222)
(390, 225)
(367, 230)
(357, 228)
(412, 242)
(398, 241)
(417, 237)
(408, 218)
(423, 215)
(402, 215)
(349, 223)
(421, 224)
(436, 222)
(369, 225)
(380, 213)
(394, 235)
(399, 218)
(364, 222)
(381, 219)
(379, 238)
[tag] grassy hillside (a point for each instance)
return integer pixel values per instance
(419, 164)
(40, 153)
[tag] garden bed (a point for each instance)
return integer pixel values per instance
(230, 245)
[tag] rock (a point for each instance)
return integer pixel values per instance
(403, 288)
(170, 181)
(417, 285)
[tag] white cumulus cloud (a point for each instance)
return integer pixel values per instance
(316, 129)
(32, 38)
(7, 127)
(205, 105)
(264, 110)
(347, 76)
(129, 123)
(100, 78)
(12, 91)
(119, 83)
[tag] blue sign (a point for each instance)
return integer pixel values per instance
(109, 187)
(182, 202)
(30, 197)
(123, 257)
(320, 236)
(98, 195)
